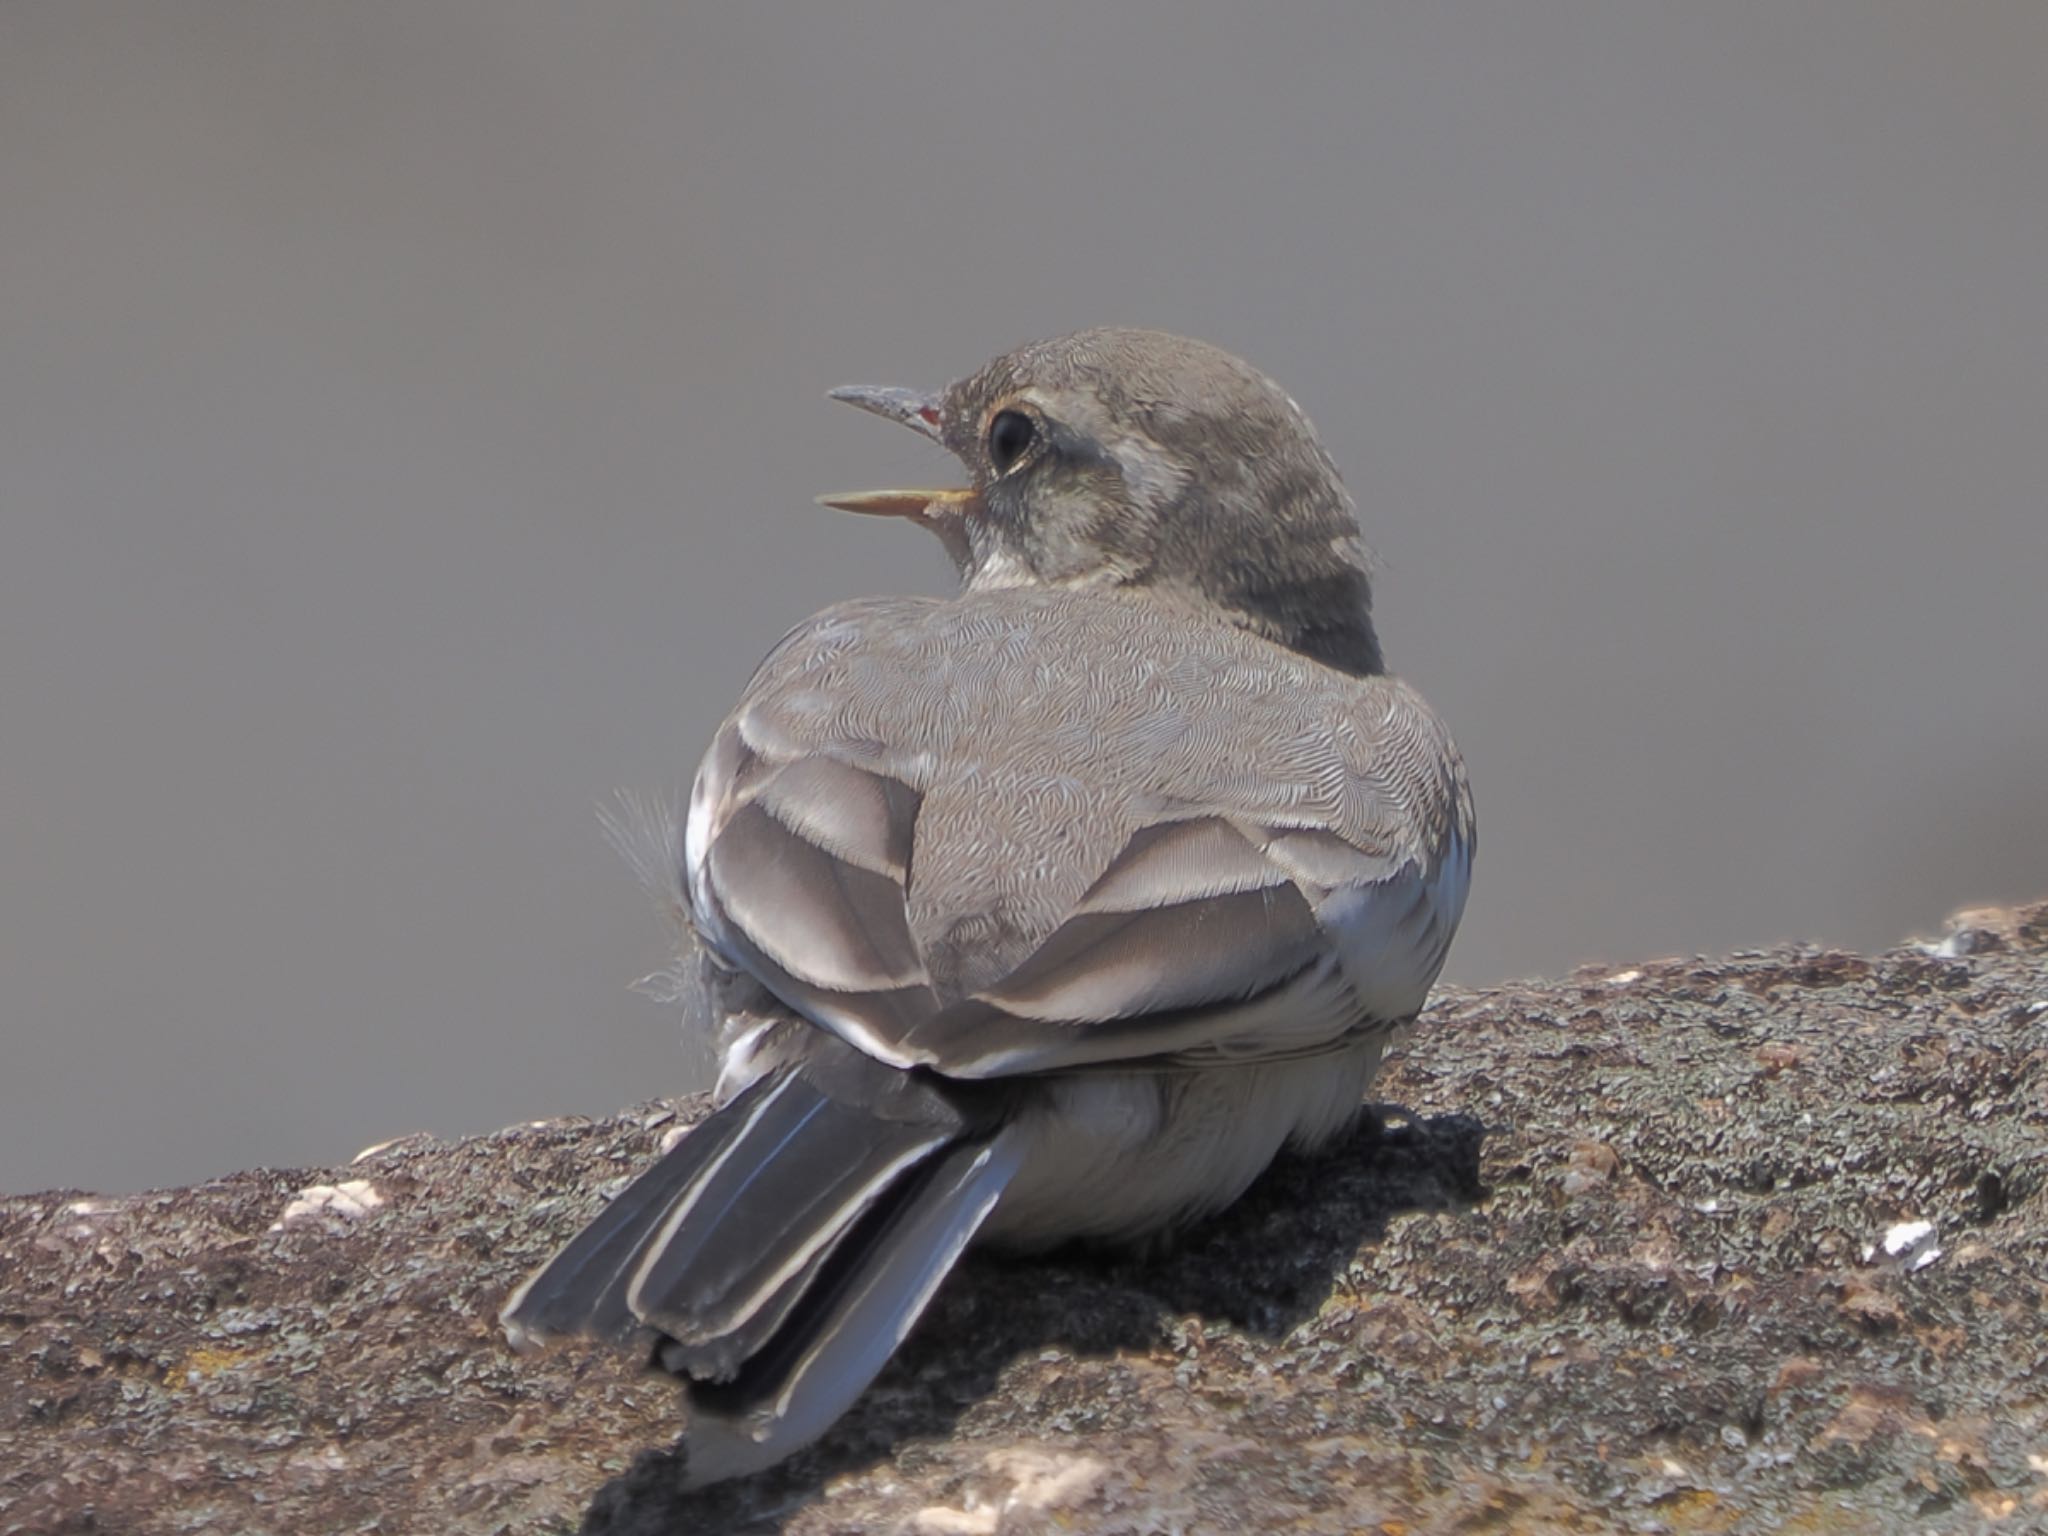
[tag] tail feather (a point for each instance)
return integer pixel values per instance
(583, 1288)
(783, 1247)
(737, 1253)
(851, 1321)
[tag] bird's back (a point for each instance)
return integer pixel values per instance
(1028, 736)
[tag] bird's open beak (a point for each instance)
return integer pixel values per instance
(921, 413)
(919, 505)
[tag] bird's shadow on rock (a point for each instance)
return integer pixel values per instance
(1264, 1266)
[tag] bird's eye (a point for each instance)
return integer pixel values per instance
(1010, 437)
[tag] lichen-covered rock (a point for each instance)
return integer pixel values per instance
(1756, 1244)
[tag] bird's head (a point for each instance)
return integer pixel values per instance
(1147, 462)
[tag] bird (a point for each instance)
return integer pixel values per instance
(1046, 912)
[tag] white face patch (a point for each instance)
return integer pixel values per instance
(1155, 481)
(1001, 569)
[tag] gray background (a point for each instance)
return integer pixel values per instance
(409, 415)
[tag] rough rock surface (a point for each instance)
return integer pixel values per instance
(1626, 1270)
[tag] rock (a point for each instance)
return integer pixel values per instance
(1703, 1245)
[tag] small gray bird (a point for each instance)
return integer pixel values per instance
(1048, 911)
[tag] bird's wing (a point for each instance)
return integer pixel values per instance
(1047, 832)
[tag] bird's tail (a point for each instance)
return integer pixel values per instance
(782, 1249)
